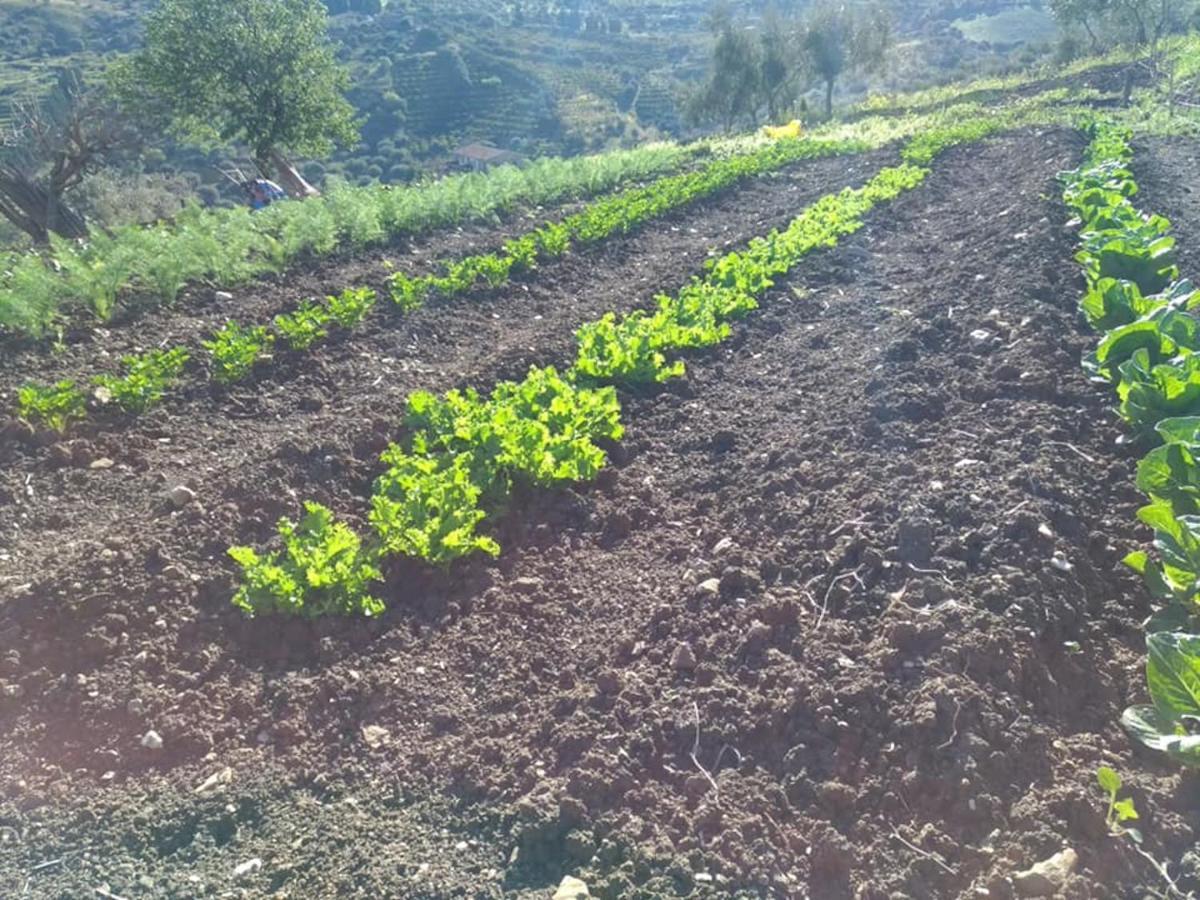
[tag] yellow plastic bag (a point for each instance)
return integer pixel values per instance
(792, 129)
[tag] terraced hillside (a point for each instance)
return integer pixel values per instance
(748, 528)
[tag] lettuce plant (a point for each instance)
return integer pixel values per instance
(321, 570)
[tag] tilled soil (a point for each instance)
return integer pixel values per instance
(1166, 171)
(323, 416)
(844, 618)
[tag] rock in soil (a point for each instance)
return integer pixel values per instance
(571, 888)
(1047, 877)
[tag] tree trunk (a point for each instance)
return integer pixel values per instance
(290, 179)
(829, 98)
(37, 210)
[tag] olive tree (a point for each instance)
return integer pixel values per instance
(837, 38)
(256, 73)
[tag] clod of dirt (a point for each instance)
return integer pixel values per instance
(1047, 877)
(914, 541)
(374, 736)
(683, 659)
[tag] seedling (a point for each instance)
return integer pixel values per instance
(55, 406)
(235, 349)
(146, 379)
(1119, 811)
(350, 306)
(303, 328)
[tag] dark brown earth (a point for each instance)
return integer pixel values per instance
(1165, 170)
(913, 659)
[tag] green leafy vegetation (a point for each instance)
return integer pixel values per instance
(55, 406)
(322, 570)
(305, 326)
(1150, 354)
(235, 349)
(464, 453)
(619, 214)
(351, 306)
(229, 246)
(146, 379)
(1119, 811)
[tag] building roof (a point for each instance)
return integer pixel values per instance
(485, 153)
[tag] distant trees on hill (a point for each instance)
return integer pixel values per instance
(1134, 22)
(764, 71)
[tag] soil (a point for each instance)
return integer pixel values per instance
(1165, 170)
(845, 616)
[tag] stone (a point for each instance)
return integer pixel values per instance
(181, 495)
(223, 295)
(152, 740)
(683, 659)
(1048, 877)
(571, 888)
(375, 736)
(102, 463)
(249, 867)
(722, 545)
(710, 587)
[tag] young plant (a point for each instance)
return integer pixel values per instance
(351, 306)
(304, 327)
(55, 406)
(427, 507)
(235, 349)
(322, 570)
(1119, 811)
(407, 293)
(1173, 676)
(146, 379)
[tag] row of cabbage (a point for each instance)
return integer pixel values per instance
(1150, 355)
(461, 455)
(150, 265)
(236, 348)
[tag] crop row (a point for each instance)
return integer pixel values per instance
(229, 246)
(461, 454)
(618, 214)
(233, 351)
(1149, 354)
(236, 348)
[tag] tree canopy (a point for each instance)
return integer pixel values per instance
(261, 73)
(837, 38)
(1133, 22)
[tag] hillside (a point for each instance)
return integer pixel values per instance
(538, 77)
(722, 520)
